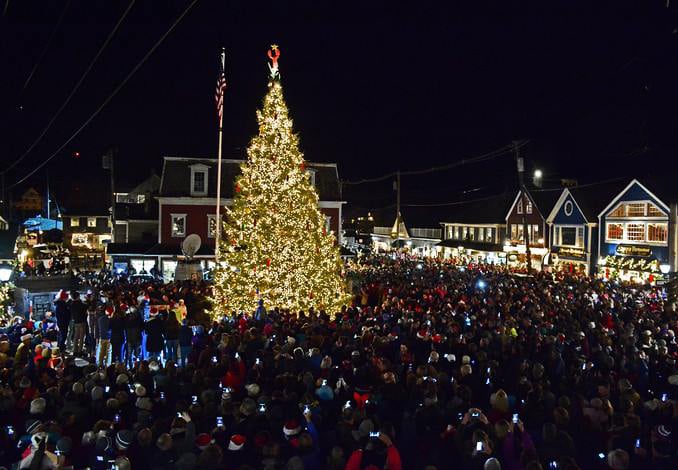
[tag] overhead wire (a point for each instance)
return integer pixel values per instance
(111, 96)
(466, 161)
(74, 90)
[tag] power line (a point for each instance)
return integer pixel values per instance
(44, 50)
(75, 88)
(467, 161)
(455, 203)
(111, 96)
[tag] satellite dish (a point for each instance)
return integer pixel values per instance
(191, 245)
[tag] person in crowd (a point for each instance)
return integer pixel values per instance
(425, 369)
(133, 327)
(63, 316)
(117, 325)
(171, 328)
(79, 317)
(104, 346)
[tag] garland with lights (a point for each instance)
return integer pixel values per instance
(276, 247)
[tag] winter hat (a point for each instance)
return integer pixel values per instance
(465, 360)
(364, 429)
(248, 407)
(110, 311)
(80, 362)
(38, 406)
(32, 425)
(26, 337)
(203, 441)
(237, 442)
(492, 464)
(153, 312)
(325, 393)
(153, 366)
(291, 428)
(123, 439)
(121, 379)
(122, 463)
(673, 379)
(25, 382)
(140, 390)
(64, 445)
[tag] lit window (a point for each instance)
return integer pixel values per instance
(654, 211)
(580, 237)
(456, 233)
(464, 233)
(635, 209)
(528, 207)
(178, 225)
(620, 211)
(91, 222)
(311, 176)
(75, 221)
(471, 233)
(481, 234)
(615, 231)
(488, 236)
(519, 209)
(635, 232)
(212, 226)
(657, 232)
(328, 223)
(141, 198)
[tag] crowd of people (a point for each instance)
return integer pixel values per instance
(435, 365)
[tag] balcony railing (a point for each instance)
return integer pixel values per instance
(425, 232)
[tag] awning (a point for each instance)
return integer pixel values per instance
(152, 249)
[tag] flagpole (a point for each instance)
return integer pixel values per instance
(217, 235)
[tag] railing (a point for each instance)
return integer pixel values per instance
(425, 232)
(382, 230)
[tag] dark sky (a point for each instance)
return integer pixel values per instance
(392, 85)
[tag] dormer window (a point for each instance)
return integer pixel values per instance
(311, 176)
(199, 180)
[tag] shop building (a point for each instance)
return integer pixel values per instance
(415, 230)
(533, 207)
(475, 231)
(638, 234)
(573, 227)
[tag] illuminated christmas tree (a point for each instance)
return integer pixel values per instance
(276, 246)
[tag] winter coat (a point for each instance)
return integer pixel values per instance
(104, 323)
(155, 331)
(62, 313)
(78, 311)
(133, 327)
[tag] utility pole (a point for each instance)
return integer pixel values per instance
(107, 164)
(520, 165)
(47, 177)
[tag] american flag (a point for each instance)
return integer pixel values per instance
(221, 88)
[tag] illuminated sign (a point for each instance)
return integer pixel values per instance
(632, 264)
(571, 252)
(633, 250)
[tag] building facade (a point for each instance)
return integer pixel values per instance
(534, 207)
(637, 236)
(186, 203)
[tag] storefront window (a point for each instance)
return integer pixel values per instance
(178, 225)
(488, 237)
(464, 233)
(168, 269)
(657, 232)
(615, 232)
(635, 232)
(456, 233)
(471, 233)
(481, 234)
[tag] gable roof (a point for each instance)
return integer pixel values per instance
(176, 177)
(488, 210)
(629, 186)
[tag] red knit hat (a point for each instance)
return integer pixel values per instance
(202, 441)
(291, 428)
(109, 311)
(153, 311)
(237, 442)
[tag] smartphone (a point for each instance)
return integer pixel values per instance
(237, 356)
(194, 399)
(479, 446)
(347, 404)
(220, 421)
(228, 390)
(583, 366)
(131, 388)
(488, 370)
(515, 418)
(553, 464)
(375, 434)
(178, 415)
(451, 380)
(107, 389)
(100, 458)
(10, 431)
(601, 455)
(475, 414)
(257, 361)
(307, 409)
(57, 452)
(214, 359)
(162, 395)
(638, 443)
(324, 382)
(262, 408)
(664, 397)
(487, 382)
(116, 418)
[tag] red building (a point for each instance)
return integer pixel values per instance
(186, 205)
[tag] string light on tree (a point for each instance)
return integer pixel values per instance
(276, 247)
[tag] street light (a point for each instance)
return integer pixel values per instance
(538, 174)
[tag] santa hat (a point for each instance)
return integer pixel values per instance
(203, 441)
(63, 295)
(422, 334)
(291, 428)
(437, 338)
(153, 312)
(109, 311)
(237, 442)
(123, 307)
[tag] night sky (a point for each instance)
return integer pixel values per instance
(374, 88)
